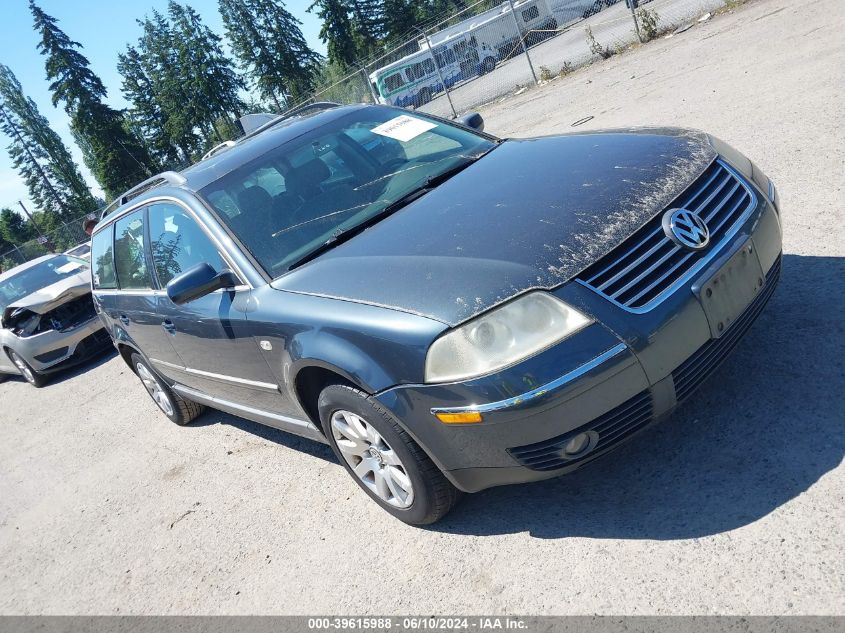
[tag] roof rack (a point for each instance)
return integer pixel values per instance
(168, 177)
(221, 147)
(247, 123)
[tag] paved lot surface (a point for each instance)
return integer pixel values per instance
(611, 27)
(735, 505)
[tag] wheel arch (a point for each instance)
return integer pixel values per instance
(312, 376)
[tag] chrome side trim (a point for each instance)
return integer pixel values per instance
(303, 428)
(527, 397)
(222, 377)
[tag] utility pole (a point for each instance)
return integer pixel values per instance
(522, 41)
(34, 223)
(23, 143)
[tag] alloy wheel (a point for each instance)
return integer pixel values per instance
(372, 459)
(155, 389)
(20, 363)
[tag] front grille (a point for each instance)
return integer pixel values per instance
(646, 265)
(709, 356)
(612, 427)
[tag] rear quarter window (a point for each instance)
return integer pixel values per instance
(102, 259)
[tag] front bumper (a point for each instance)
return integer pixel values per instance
(53, 351)
(621, 374)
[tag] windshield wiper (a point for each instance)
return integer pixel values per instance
(344, 235)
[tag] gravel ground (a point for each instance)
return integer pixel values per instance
(735, 505)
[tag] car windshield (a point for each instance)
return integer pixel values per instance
(303, 195)
(40, 276)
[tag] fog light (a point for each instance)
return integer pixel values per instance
(577, 445)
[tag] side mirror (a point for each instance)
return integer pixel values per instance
(472, 120)
(197, 282)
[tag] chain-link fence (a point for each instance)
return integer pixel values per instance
(57, 240)
(493, 48)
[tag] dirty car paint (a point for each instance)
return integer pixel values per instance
(531, 214)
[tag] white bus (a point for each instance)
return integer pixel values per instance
(462, 51)
(413, 80)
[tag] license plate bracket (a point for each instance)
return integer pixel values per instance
(727, 292)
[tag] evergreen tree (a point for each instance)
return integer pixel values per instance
(146, 117)
(270, 46)
(368, 24)
(400, 18)
(45, 164)
(117, 159)
(14, 229)
(183, 89)
(208, 75)
(337, 31)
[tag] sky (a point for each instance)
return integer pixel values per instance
(104, 28)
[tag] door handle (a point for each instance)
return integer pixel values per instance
(169, 326)
(124, 319)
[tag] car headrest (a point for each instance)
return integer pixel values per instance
(253, 199)
(309, 176)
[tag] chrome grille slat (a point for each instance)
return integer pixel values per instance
(704, 186)
(638, 274)
(661, 279)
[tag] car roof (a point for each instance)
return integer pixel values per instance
(207, 171)
(243, 151)
(30, 264)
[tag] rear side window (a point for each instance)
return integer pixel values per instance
(102, 259)
(129, 257)
(177, 242)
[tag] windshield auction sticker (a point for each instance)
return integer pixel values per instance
(404, 128)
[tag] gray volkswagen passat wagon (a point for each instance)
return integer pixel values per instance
(448, 310)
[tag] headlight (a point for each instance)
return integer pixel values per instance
(502, 337)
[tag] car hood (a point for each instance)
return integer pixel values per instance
(50, 297)
(530, 214)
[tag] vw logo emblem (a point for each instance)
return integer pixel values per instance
(686, 229)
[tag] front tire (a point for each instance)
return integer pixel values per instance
(29, 374)
(176, 408)
(382, 458)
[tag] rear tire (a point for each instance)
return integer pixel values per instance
(382, 458)
(488, 65)
(29, 374)
(176, 408)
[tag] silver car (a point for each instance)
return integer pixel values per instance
(47, 318)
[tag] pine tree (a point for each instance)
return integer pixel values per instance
(52, 178)
(207, 73)
(270, 46)
(337, 31)
(146, 117)
(117, 159)
(400, 18)
(183, 89)
(368, 17)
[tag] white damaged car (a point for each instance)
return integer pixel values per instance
(47, 318)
